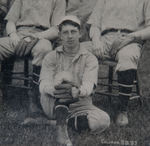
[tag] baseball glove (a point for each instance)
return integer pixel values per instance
(63, 93)
(25, 46)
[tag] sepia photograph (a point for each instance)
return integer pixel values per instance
(74, 72)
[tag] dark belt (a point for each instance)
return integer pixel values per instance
(38, 27)
(116, 30)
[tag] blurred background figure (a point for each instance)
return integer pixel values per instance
(82, 9)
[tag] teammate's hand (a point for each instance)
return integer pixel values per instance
(25, 46)
(98, 49)
(15, 39)
(38, 35)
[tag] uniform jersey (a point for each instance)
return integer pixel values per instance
(45, 13)
(83, 67)
(121, 14)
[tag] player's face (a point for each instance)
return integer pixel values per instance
(70, 35)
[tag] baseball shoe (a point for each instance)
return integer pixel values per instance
(62, 135)
(38, 119)
(122, 119)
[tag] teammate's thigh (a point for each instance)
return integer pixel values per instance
(128, 57)
(6, 48)
(40, 50)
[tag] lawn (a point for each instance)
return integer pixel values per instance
(13, 133)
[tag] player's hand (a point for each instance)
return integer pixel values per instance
(63, 91)
(38, 35)
(66, 93)
(99, 50)
(126, 41)
(15, 39)
(75, 92)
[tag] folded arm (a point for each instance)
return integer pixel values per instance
(47, 74)
(90, 76)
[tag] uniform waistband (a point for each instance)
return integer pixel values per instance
(33, 26)
(116, 30)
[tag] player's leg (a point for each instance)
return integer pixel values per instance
(6, 51)
(6, 48)
(95, 120)
(48, 105)
(39, 51)
(126, 69)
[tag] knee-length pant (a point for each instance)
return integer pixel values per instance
(38, 52)
(98, 120)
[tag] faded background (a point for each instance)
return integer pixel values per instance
(137, 133)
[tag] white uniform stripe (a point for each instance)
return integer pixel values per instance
(128, 86)
(57, 106)
(75, 122)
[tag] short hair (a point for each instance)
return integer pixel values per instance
(68, 22)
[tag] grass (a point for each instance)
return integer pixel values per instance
(12, 133)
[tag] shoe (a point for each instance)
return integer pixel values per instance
(38, 119)
(62, 135)
(122, 119)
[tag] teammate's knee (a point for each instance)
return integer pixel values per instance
(40, 50)
(47, 104)
(95, 122)
(130, 52)
(99, 123)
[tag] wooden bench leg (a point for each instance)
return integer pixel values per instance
(1, 94)
(110, 80)
(26, 71)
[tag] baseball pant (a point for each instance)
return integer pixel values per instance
(38, 52)
(127, 57)
(97, 119)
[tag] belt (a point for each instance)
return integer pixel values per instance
(38, 27)
(116, 30)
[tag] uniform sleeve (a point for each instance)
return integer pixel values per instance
(147, 12)
(90, 76)
(59, 12)
(95, 18)
(48, 69)
(14, 12)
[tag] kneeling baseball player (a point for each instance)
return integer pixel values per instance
(68, 78)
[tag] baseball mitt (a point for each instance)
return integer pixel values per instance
(65, 93)
(25, 46)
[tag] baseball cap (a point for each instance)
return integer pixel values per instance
(72, 18)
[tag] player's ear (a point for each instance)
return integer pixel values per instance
(80, 35)
(59, 35)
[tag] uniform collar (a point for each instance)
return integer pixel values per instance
(82, 51)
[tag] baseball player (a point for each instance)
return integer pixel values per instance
(81, 9)
(117, 30)
(31, 27)
(67, 80)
